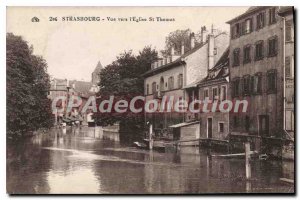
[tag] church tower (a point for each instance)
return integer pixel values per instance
(96, 74)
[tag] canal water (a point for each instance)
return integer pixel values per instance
(88, 160)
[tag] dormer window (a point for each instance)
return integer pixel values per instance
(247, 26)
(272, 15)
(260, 20)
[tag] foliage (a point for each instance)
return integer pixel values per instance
(27, 85)
(122, 78)
(175, 39)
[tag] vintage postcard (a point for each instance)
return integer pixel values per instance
(150, 100)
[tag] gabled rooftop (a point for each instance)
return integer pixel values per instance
(177, 62)
(248, 12)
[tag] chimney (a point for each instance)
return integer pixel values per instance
(182, 47)
(55, 84)
(203, 34)
(192, 38)
(211, 48)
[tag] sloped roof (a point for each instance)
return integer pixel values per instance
(98, 68)
(219, 69)
(248, 12)
(178, 61)
(61, 84)
(283, 10)
(81, 86)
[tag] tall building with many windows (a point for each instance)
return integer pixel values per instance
(287, 13)
(257, 72)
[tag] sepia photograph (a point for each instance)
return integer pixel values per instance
(150, 100)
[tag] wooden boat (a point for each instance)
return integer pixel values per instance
(157, 144)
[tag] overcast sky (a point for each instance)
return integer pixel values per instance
(73, 49)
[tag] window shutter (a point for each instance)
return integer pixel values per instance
(257, 22)
(275, 79)
(251, 85)
(262, 49)
(270, 15)
(268, 47)
(263, 19)
(241, 28)
(241, 86)
(259, 83)
(276, 45)
(233, 89)
(251, 25)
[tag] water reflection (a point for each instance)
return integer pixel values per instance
(89, 160)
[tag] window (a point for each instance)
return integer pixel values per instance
(221, 127)
(247, 26)
(288, 31)
(171, 83)
(205, 93)
(287, 67)
(260, 20)
(153, 87)
(271, 81)
(259, 50)
(256, 83)
(147, 89)
(272, 15)
(236, 57)
(235, 31)
(272, 46)
(215, 94)
(235, 87)
(246, 84)
(223, 93)
(247, 56)
(180, 81)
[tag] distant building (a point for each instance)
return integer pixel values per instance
(215, 125)
(69, 88)
(96, 77)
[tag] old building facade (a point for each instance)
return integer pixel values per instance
(214, 87)
(174, 75)
(287, 13)
(257, 72)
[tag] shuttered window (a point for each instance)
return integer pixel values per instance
(260, 20)
(259, 50)
(271, 81)
(272, 46)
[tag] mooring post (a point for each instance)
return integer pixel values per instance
(150, 137)
(247, 160)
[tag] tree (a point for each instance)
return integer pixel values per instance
(122, 79)
(175, 39)
(27, 85)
